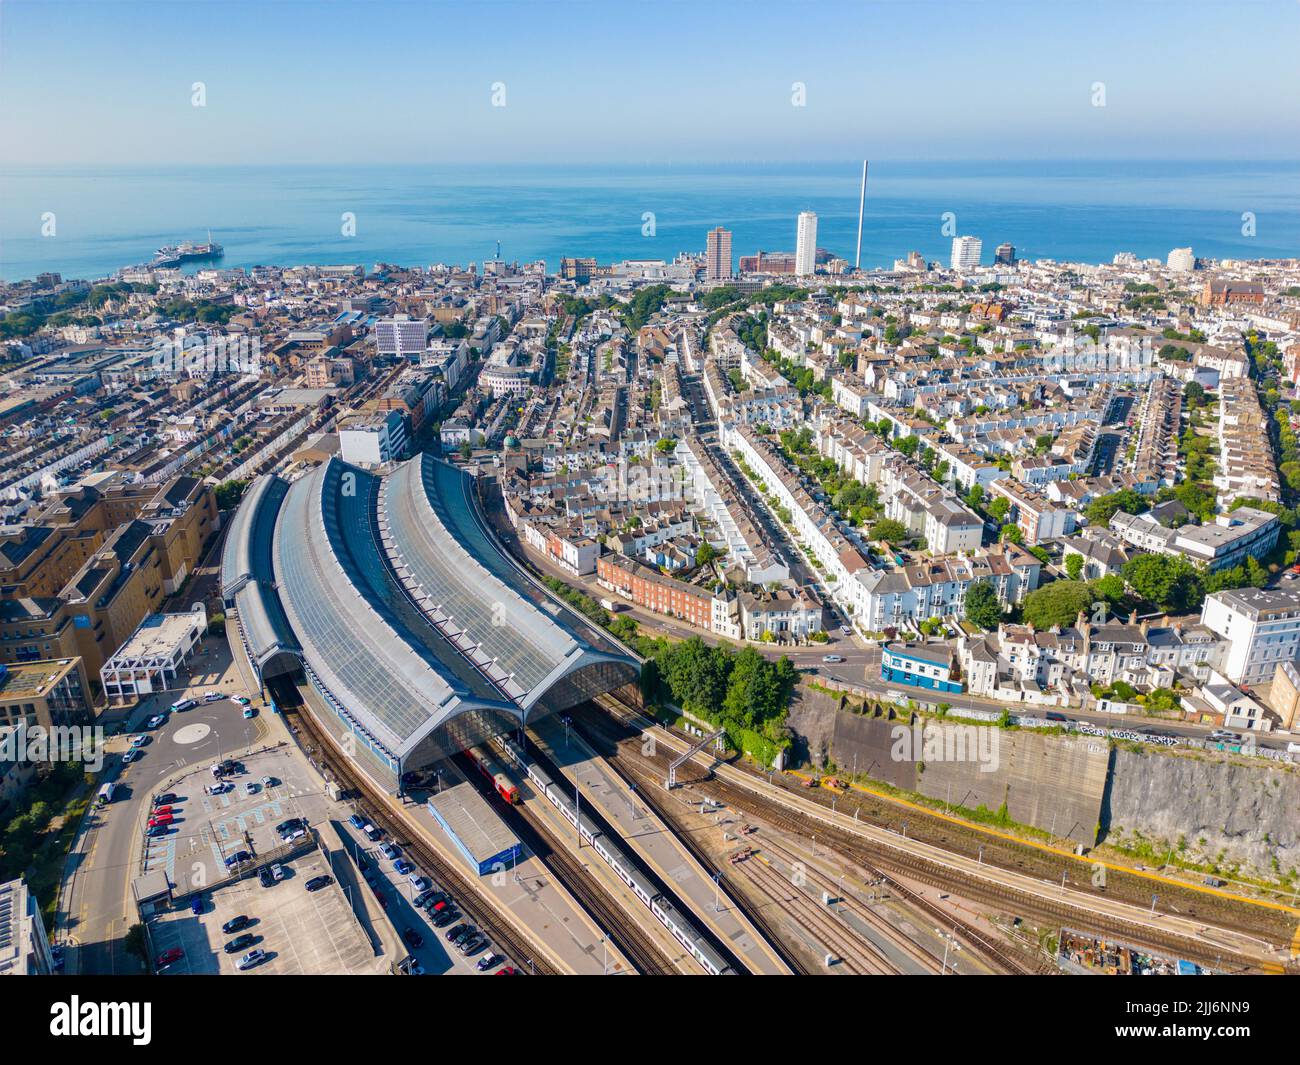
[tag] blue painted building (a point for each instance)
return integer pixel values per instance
(918, 665)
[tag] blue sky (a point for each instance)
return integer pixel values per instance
(109, 83)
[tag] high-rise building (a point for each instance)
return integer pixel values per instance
(1004, 254)
(24, 947)
(718, 254)
(401, 336)
(1182, 260)
(966, 252)
(805, 248)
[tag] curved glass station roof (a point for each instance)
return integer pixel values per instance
(248, 575)
(405, 613)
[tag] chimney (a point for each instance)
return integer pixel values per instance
(1133, 617)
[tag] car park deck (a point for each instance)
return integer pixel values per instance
(302, 932)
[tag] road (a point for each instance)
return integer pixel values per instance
(95, 906)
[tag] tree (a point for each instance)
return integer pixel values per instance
(982, 606)
(1109, 588)
(229, 493)
(697, 677)
(705, 553)
(889, 529)
(1169, 581)
(1103, 508)
(1057, 603)
(1073, 566)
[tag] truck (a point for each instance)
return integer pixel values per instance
(106, 793)
(611, 606)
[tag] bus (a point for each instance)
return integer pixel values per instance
(106, 793)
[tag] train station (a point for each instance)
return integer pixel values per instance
(384, 596)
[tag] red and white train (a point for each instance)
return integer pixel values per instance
(491, 769)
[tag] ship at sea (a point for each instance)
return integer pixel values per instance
(187, 251)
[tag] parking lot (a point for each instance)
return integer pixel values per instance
(301, 931)
(207, 828)
(396, 892)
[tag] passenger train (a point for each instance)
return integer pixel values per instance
(629, 871)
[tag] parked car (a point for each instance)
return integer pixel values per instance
(390, 852)
(158, 811)
(290, 825)
(269, 782)
(219, 788)
(249, 712)
(488, 961)
(139, 740)
(403, 866)
(412, 938)
(372, 833)
(472, 945)
(457, 932)
(278, 872)
(132, 754)
(445, 918)
(165, 798)
(212, 697)
(238, 858)
(318, 882)
(251, 787)
(357, 821)
(170, 955)
(196, 904)
(154, 831)
(243, 701)
(292, 835)
(420, 883)
(253, 957)
(265, 877)
(237, 924)
(239, 943)
(183, 704)
(155, 721)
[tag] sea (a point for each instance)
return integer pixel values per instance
(87, 222)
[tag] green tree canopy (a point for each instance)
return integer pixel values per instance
(982, 606)
(1057, 603)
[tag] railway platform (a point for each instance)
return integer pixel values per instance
(654, 843)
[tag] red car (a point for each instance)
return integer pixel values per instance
(169, 956)
(166, 819)
(507, 971)
(160, 810)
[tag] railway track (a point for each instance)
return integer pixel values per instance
(834, 938)
(993, 952)
(741, 801)
(376, 806)
(900, 862)
(632, 940)
(851, 904)
(640, 783)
